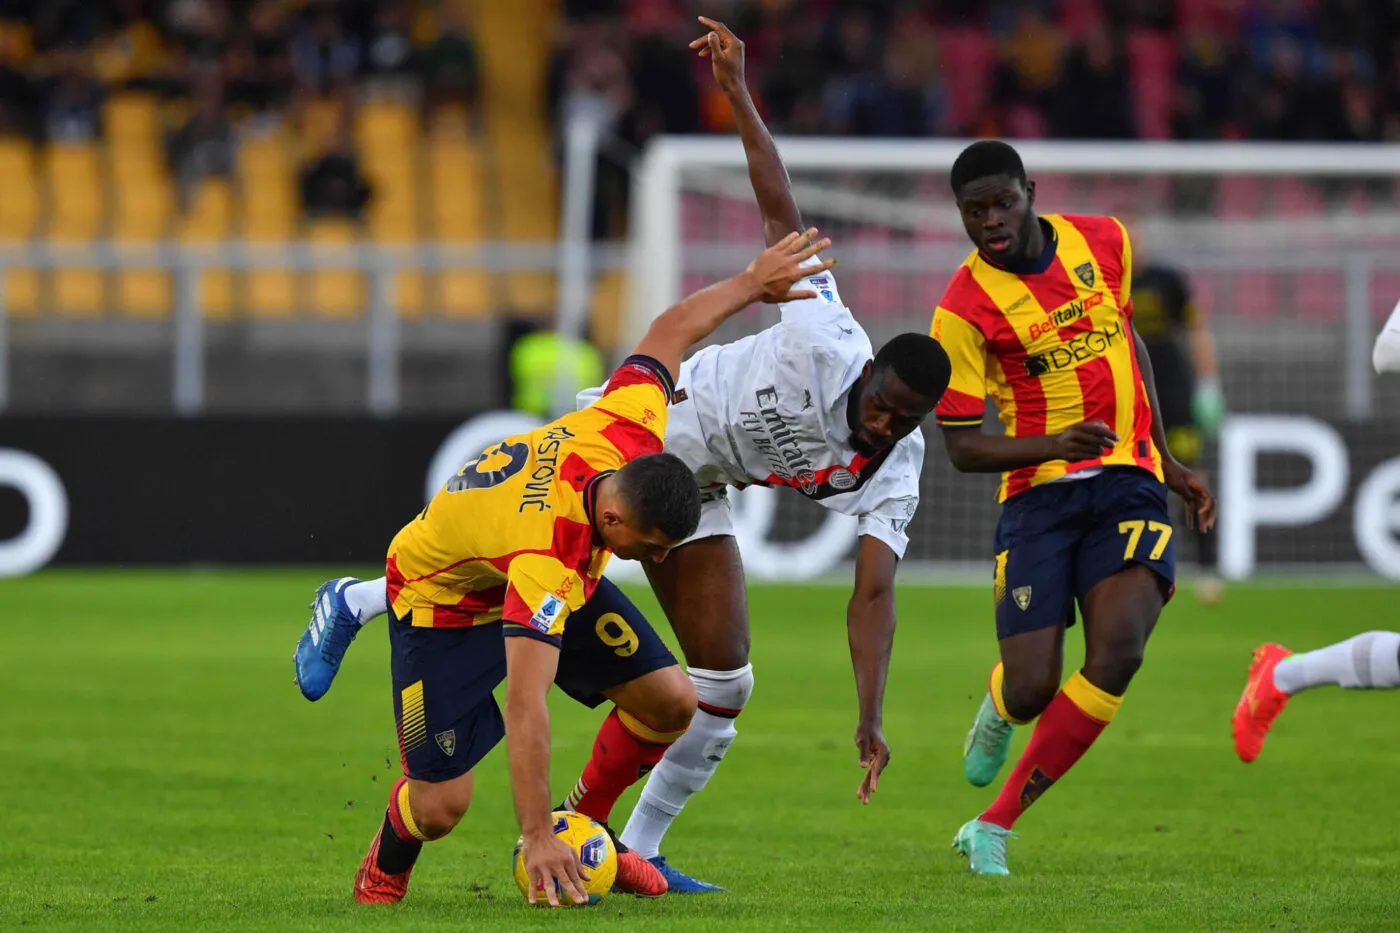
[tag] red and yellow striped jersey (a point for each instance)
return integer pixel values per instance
(1052, 345)
(511, 536)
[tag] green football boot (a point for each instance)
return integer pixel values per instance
(984, 844)
(987, 746)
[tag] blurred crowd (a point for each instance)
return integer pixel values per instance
(1077, 69)
(221, 67)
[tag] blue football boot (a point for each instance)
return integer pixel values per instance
(680, 883)
(322, 647)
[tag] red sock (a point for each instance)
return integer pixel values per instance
(1066, 729)
(626, 749)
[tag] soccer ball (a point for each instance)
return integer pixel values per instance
(595, 850)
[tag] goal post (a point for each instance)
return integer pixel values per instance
(1291, 251)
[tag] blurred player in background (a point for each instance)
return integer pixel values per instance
(1040, 317)
(1370, 661)
(1184, 361)
(521, 536)
(804, 404)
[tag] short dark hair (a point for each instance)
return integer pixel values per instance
(662, 495)
(919, 361)
(983, 159)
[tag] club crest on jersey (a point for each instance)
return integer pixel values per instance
(1085, 271)
(1022, 595)
(543, 619)
(447, 741)
(842, 479)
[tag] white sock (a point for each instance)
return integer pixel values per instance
(367, 599)
(690, 763)
(1366, 662)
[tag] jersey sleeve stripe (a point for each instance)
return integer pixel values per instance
(630, 439)
(631, 373)
(509, 629)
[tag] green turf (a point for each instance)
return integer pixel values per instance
(162, 772)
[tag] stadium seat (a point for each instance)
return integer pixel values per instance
(1319, 294)
(132, 122)
(143, 201)
(19, 213)
(1294, 197)
(269, 212)
(336, 293)
(209, 219)
(457, 218)
(389, 146)
(967, 66)
(74, 182)
(1152, 71)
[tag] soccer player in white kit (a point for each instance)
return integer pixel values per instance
(1369, 661)
(803, 404)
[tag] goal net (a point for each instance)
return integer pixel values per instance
(1290, 252)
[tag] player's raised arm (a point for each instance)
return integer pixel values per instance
(766, 172)
(768, 278)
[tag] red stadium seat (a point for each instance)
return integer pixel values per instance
(1318, 294)
(967, 64)
(1255, 294)
(1294, 197)
(1238, 196)
(1078, 17)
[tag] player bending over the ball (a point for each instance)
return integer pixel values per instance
(1040, 316)
(806, 405)
(521, 536)
(1370, 661)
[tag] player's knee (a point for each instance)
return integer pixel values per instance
(1111, 666)
(438, 810)
(1027, 698)
(673, 707)
(726, 691)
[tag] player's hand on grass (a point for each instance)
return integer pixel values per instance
(874, 756)
(779, 267)
(548, 860)
(1084, 441)
(726, 54)
(1200, 503)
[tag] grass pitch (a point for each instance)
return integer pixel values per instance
(162, 772)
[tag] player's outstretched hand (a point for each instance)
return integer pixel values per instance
(779, 267)
(548, 860)
(1084, 441)
(1200, 502)
(725, 51)
(874, 756)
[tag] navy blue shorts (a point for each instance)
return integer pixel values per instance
(443, 678)
(1055, 542)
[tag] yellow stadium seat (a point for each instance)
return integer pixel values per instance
(76, 208)
(334, 292)
(320, 119)
(19, 208)
(455, 175)
(394, 218)
(19, 212)
(209, 219)
(143, 197)
(132, 122)
(269, 214)
(385, 126)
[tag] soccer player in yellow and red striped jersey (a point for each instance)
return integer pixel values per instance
(520, 537)
(1039, 317)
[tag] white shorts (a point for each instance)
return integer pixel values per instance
(716, 515)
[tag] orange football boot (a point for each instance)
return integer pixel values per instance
(637, 876)
(1260, 703)
(373, 886)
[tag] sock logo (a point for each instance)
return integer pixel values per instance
(1038, 783)
(715, 748)
(447, 741)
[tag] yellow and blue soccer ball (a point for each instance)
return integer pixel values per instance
(595, 850)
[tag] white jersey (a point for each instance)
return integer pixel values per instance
(1385, 356)
(770, 410)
